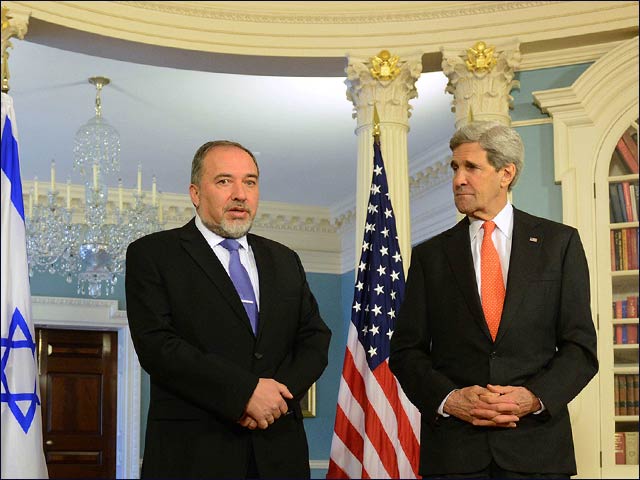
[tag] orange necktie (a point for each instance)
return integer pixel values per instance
(492, 285)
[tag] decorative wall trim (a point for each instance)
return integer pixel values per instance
(319, 464)
(531, 122)
(78, 313)
(300, 14)
(430, 177)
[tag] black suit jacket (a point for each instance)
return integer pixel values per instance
(192, 335)
(546, 342)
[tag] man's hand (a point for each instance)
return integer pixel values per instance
(521, 398)
(472, 405)
(267, 404)
(248, 422)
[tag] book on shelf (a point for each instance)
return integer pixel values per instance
(632, 334)
(634, 385)
(635, 198)
(624, 249)
(623, 207)
(619, 448)
(631, 142)
(632, 306)
(625, 394)
(616, 395)
(622, 385)
(632, 248)
(614, 204)
(633, 192)
(626, 197)
(630, 396)
(628, 156)
(631, 448)
(623, 202)
(626, 334)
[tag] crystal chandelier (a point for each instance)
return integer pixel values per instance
(93, 251)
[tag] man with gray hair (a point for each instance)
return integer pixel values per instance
(495, 336)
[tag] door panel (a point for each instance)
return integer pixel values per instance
(78, 387)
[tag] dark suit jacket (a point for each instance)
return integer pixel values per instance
(193, 337)
(546, 342)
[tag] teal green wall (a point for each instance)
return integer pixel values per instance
(536, 191)
(542, 79)
(47, 285)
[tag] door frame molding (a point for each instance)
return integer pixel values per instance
(84, 314)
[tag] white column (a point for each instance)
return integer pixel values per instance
(480, 79)
(367, 87)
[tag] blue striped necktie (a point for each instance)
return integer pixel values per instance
(242, 282)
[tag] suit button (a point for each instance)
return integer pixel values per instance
(257, 355)
(493, 355)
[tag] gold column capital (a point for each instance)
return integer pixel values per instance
(14, 24)
(480, 57)
(384, 66)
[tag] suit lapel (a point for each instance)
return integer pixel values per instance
(458, 250)
(525, 252)
(198, 248)
(266, 276)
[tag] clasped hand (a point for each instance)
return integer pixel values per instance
(266, 405)
(493, 406)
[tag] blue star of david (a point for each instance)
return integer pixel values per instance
(12, 399)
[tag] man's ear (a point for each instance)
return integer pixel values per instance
(194, 193)
(509, 173)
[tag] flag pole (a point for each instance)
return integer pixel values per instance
(376, 125)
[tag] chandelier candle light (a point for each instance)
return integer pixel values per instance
(93, 251)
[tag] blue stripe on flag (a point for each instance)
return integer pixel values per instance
(11, 166)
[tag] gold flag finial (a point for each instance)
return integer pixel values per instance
(376, 125)
(480, 58)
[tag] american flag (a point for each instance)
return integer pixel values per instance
(376, 430)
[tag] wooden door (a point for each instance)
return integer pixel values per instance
(78, 389)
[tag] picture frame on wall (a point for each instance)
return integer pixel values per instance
(308, 402)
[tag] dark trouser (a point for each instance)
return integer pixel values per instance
(494, 471)
(252, 467)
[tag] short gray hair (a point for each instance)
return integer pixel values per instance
(502, 144)
(196, 164)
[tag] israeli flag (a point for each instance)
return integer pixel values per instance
(22, 454)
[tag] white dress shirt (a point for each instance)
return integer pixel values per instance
(502, 239)
(246, 255)
(502, 236)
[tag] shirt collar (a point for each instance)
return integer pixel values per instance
(214, 239)
(503, 220)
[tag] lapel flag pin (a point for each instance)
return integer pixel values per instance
(533, 239)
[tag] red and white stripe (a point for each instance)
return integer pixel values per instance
(377, 429)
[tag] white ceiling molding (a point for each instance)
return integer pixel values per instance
(319, 30)
(566, 56)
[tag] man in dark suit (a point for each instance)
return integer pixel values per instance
(495, 338)
(225, 380)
